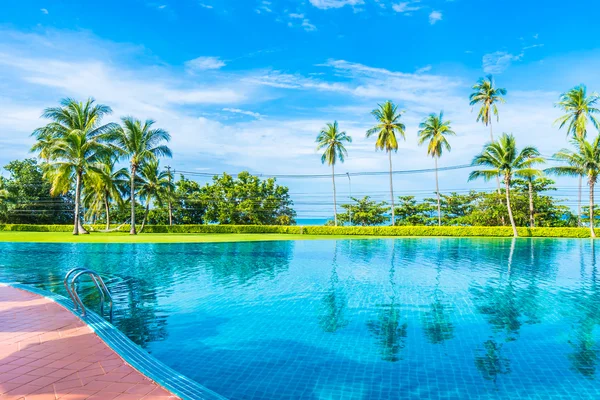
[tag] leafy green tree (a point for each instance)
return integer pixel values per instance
(585, 160)
(76, 143)
(332, 141)
(155, 186)
(434, 131)
(579, 109)
(503, 158)
(388, 126)
(189, 204)
(247, 200)
(25, 196)
(456, 207)
(410, 212)
(140, 143)
(364, 212)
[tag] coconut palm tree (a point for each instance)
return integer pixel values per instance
(106, 185)
(585, 160)
(73, 144)
(154, 186)
(140, 143)
(503, 159)
(579, 109)
(487, 96)
(388, 125)
(529, 176)
(332, 140)
(434, 131)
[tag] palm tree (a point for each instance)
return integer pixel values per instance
(140, 144)
(155, 186)
(106, 185)
(73, 144)
(579, 108)
(529, 177)
(332, 140)
(388, 125)
(487, 96)
(584, 161)
(434, 130)
(503, 159)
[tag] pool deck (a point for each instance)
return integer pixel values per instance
(47, 353)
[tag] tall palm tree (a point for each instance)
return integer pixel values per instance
(585, 160)
(434, 131)
(154, 186)
(388, 125)
(529, 177)
(73, 144)
(579, 109)
(487, 96)
(332, 140)
(140, 144)
(503, 159)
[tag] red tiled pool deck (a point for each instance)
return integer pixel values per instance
(47, 353)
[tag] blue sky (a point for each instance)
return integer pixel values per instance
(246, 85)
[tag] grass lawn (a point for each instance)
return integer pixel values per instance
(119, 237)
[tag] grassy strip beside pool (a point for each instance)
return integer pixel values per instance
(229, 233)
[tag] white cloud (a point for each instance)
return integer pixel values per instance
(162, 7)
(297, 16)
(265, 6)
(424, 69)
(308, 26)
(325, 4)
(405, 8)
(206, 6)
(434, 17)
(44, 11)
(244, 112)
(204, 64)
(498, 62)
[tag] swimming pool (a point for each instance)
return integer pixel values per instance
(351, 319)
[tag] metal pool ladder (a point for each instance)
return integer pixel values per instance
(98, 281)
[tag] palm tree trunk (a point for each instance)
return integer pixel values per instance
(510, 213)
(145, 214)
(334, 195)
(497, 178)
(107, 210)
(76, 220)
(132, 230)
(392, 189)
(437, 191)
(531, 210)
(592, 231)
(579, 201)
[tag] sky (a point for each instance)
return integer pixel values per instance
(247, 85)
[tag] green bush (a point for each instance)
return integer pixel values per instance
(451, 231)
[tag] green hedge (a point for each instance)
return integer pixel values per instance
(457, 231)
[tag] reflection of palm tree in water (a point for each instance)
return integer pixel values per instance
(503, 314)
(585, 355)
(334, 302)
(388, 328)
(437, 324)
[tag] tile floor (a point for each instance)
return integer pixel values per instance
(47, 353)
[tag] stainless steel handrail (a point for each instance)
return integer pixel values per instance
(98, 282)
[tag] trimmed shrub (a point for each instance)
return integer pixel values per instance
(450, 231)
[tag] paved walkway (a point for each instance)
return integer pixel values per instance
(47, 353)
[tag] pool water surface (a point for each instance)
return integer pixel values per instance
(351, 319)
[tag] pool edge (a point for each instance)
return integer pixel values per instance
(177, 383)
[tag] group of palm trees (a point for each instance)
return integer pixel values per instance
(501, 158)
(80, 152)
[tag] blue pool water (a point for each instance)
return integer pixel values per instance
(376, 319)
